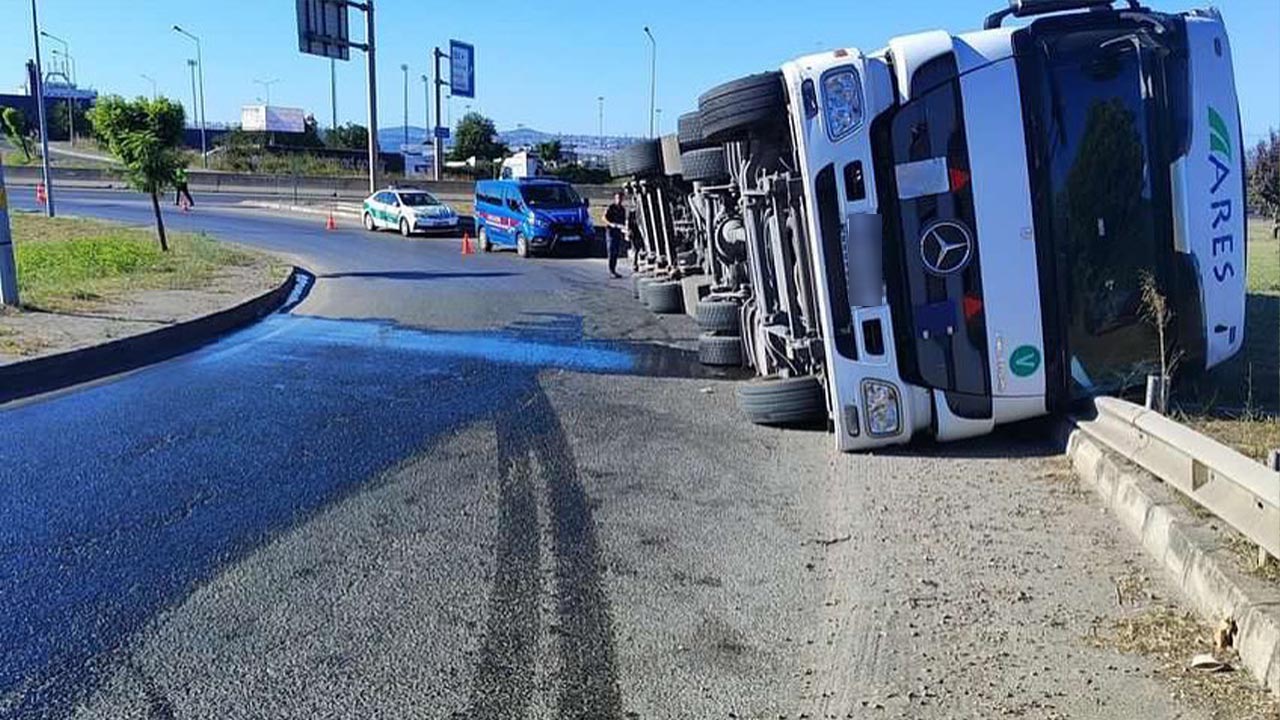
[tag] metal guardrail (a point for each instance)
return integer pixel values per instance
(1243, 493)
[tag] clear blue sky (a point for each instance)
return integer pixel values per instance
(541, 64)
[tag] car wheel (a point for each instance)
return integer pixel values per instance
(718, 316)
(665, 297)
(755, 103)
(404, 228)
(368, 222)
(783, 401)
(522, 246)
(482, 239)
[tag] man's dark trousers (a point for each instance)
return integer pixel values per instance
(616, 248)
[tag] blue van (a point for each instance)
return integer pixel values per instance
(532, 215)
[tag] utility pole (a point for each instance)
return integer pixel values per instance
(653, 78)
(600, 134)
(370, 56)
(204, 144)
(44, 120)
(426, 107)
(333, 90)
(437, 146)
(658, 114)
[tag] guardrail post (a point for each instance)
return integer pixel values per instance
(1273, 462)
(1157, 393)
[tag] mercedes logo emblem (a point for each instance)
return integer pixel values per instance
(945, 247)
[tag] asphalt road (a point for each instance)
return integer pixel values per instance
(480, 487)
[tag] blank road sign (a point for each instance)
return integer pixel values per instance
(322, 28)
(462, 69)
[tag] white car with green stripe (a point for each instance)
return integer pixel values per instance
(408, 210)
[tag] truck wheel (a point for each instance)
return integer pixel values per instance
(664, 297)
(739, 107)
(637, 159)
(783, 401)
(720, 350)
(705, 165)
(718, 316)
(689, 132)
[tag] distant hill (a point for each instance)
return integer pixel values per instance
(390, 138)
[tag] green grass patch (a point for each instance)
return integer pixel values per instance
(1264, 258)
(69, 264)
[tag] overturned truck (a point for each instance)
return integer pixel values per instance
(956, 231)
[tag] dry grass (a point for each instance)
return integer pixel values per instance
(1171, 637)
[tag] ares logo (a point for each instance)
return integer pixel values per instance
(1224, 241)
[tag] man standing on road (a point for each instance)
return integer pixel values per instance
(615, 217)
(181, 189)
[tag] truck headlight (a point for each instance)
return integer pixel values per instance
(842, 101)
(884, 409)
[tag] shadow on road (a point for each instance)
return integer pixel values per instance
(415, 275)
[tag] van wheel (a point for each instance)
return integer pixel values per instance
(522, 246)
(368, 222)
(755, 103)
(783, 401)
(482, 239)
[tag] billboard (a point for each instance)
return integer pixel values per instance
(269, 118)
(462, 69)
(322, 28)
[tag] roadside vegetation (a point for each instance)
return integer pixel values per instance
(75, 265)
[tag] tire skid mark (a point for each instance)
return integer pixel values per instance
(532, 441)
(589, 684)
(503, 684)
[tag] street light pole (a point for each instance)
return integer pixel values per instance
(266, 85)
(600, 100)
(653, 78)
(191, 63)
(151, 80)
(404, 67)
(370, 57)
(658, 114)
(67, 64)
(437, 147)
(204, 144)
(44, 120)
(333, 90)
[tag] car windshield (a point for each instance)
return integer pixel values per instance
(1093, 123)
(418, 199)
(550, 196)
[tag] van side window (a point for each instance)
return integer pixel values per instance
(513, 201)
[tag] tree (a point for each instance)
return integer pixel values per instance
(16, 130)
(145, 135)
(475, 137)
(548, 151)
(60, 126)
(348, 137)
(1264, 179)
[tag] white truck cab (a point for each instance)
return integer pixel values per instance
(952, 232)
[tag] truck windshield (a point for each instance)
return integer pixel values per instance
(550, 196)
(1093, 131)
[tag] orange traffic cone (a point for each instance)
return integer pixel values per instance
(466, 244)
(330, 224)
(41, 196)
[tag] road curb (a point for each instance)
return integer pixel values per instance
(1191, 553)
(53, 372)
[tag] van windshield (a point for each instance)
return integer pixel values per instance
(1102, 185)
(550, 196)
(418, 199)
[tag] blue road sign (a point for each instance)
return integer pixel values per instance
(462, 69)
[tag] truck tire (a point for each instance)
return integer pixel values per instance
(689, 132)
(705, 165)
(718, 316)
(783, 401)
(637, 159)
(664, 297)
(720, 350)
(739, 107)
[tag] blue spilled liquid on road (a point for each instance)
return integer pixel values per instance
(118, 499)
